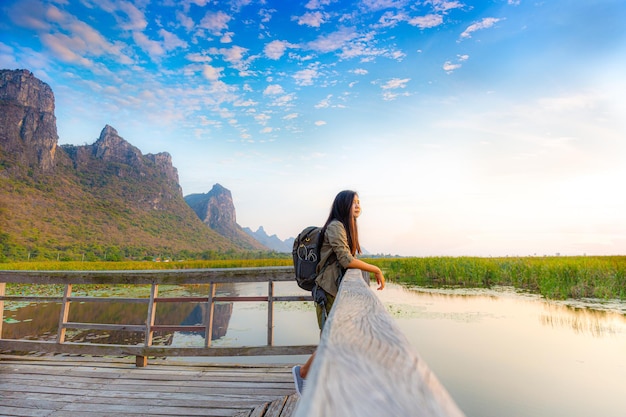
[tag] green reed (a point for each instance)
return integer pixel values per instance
(560, 277)
(554, 277)
(141, 265)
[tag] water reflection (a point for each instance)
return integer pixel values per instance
(498, 352)
(502, 353)
(39, 321)
(582, 320)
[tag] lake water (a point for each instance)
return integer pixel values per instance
(498, 352)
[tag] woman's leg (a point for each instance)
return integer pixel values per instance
(304, 369)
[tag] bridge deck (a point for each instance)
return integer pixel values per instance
(90, 387)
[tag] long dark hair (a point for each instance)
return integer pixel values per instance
(342, 210)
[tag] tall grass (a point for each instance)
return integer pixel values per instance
(601, 277)
(140, 265)
(554, 277)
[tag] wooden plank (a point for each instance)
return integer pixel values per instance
(8, 410)
(105, 326)
(73, 387)
(134, 350)
(365, 366)
(276, 407)
(163, 277)
(290, 405)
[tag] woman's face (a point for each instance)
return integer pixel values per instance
(356, 206)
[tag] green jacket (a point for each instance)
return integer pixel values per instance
(336, 252)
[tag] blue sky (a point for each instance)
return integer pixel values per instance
(482, 128)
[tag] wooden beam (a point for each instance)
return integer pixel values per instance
(366, 367)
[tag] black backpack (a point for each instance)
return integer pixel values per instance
(306, 256)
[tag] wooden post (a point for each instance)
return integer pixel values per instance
(208, 318)
(141, 361)
(65, 311)
(270, 313)
(2, 289)
(364, 366)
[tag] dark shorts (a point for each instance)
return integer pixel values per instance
(318, 309)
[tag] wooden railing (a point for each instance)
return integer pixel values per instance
(154, 278)
(364, 365)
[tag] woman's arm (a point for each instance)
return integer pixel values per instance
(364, 266)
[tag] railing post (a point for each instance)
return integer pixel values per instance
(65, 311)
(270, 313)
(2, 289)
(141, 361)
(208, 318)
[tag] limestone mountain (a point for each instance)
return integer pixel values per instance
(273, 242)
(28, 132)
(106, 199)
(217, 210)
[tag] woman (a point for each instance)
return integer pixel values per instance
(338, 253)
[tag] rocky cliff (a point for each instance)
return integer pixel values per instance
(217, 210)
(28, 132)
(97, 199)
(151, 180)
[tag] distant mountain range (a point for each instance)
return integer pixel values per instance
(273, 242)
(101, 201)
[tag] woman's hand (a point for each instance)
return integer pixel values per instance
(380, 279)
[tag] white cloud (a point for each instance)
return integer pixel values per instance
(64, 48)
(320, 123)
(317, 4)
(449, 66)
(445, 5)
(234, 54)
(29, 14)
(395, 83)
(153, 48)
(262, 118)
(136, 20)
(186, 21)
(391, 19)
(276, 49)
(374, 5)
(273, 90)
(215, 22)
(324, 103)
(425, 22)
(284, 100)
(486, 23)
(171, 41)
(306, 76)
(211, 73)
(332, 41)
(312, 19)
(7, 57)
(198, 57)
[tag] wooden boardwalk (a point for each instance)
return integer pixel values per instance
(70, 386)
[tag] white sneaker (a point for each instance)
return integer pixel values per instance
(297, 379)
